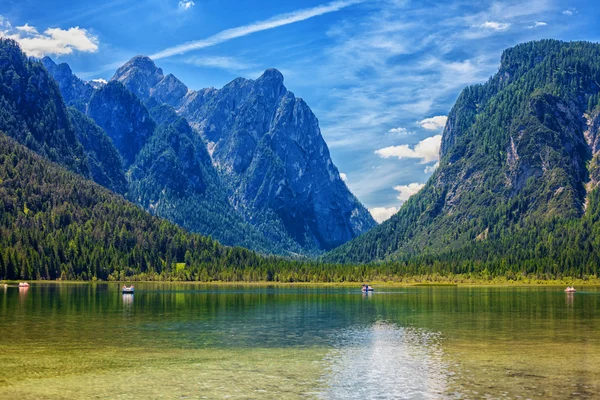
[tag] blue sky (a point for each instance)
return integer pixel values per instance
(379, 74)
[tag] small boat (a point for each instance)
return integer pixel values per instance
(570, 289)
(127, 289)
(23, 284)
(367, 288)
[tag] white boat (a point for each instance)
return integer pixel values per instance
(127, 289)
(570, 290)
(23, 284)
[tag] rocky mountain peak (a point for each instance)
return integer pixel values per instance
(142, 63)
(270, 83)
(271, 75)
(139, 75)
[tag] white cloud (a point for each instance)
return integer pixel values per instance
(344, 177)
(185, 4)
(381, 214)
(434, 123)
(568, 12)
(399, 131)
(537, 24)
(229, 63)
(428, 150)
(495, 26)
(430, 168)
(275, 22)
(27, 29)
(54, 41)
(405, 191)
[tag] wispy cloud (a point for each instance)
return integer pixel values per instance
(537, 24)
(223, 62)
(495, 25)
(185, 5)
(275, 22)
(400, 131)
(53, 41)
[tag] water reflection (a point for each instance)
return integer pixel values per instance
(23, 293)
(128, 304)
(570, 299)
(386, 361)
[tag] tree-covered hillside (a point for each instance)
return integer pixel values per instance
(32, 110)
(515, 189)
(56, 224)
(104, 161)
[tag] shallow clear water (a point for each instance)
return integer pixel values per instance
(189, 340)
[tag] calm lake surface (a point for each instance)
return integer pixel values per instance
(206, 341)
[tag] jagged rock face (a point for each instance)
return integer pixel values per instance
(75, 92)
(592, 137)
(268, 146)
(124, 118)
(268, 143)
(143, 78)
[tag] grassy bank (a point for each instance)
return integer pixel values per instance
(454, 280)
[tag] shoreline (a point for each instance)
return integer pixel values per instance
(493, 283)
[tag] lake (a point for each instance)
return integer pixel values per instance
(177, 340)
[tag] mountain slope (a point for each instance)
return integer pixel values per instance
(124, 118)
(54, 223)
(75, 92)
(267, 145)
(106, 166)
(173, 177)
(515, 168)
(32, 110)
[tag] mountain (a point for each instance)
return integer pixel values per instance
(173, 177)
(143, 78)
(33, 112)
(169, 169)
(267, 146)
(124, 118)
(105, 163)
(265, 177)
(516, 187)
(75, 92)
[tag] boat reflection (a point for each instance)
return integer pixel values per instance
(23, 292)
(570, 299)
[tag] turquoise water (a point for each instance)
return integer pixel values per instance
(249, 341)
